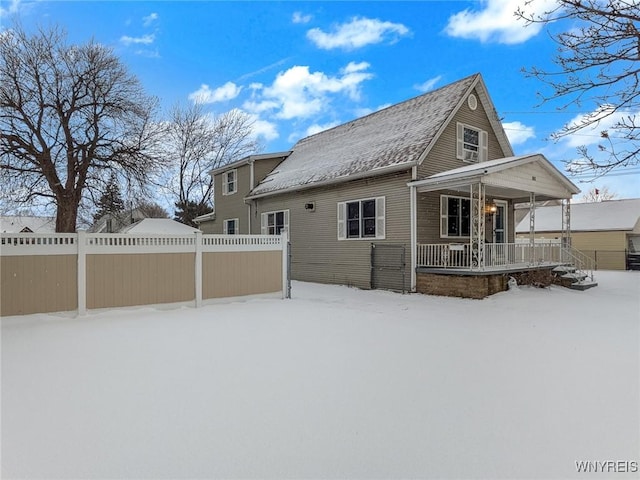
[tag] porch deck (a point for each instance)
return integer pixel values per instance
(497, 257)
(456, 270)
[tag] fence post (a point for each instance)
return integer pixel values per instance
(284, 239)
(198, 269)
(81, 239)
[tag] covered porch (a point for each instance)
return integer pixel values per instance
(475, 235)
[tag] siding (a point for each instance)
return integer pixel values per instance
(317, 254)
(520, 178)
(231, 206)
(607, 249)
(263, 167)
(443, 154)
(428, 222)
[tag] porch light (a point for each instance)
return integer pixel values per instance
(490, 208)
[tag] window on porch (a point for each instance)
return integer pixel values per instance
(455, 215)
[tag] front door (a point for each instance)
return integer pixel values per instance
(500, 222)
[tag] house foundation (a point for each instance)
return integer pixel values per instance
(477, 285)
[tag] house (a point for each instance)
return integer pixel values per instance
(606, 231)
(418, 196)
(160, 226)
(27, 224)
(114, 222)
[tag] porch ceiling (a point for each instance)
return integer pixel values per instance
(511, 178)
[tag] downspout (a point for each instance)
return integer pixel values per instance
(414, 235)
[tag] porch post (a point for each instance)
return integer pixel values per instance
(532, 227)
(414, 235)
(566, 222)
(477, 226)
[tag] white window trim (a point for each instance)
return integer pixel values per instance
(225, 228)
(264, 222)
(444, 217)
(225, 182)
(483, 140)
(380, 219)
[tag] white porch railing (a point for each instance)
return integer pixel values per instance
(444, 255)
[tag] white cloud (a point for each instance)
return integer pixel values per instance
(428, 85)
(149, 19)
(357, 33)
(518, 133)
(299, 93)
(263, 128)
(299, 17)
(144, 40)
(603, 120)
(14, 6)
(317, 128)
(204, 94)
(496, 21)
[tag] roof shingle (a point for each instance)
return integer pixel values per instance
(395, 136)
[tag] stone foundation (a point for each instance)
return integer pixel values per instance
(479, 285)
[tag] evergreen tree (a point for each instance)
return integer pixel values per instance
(187, 211)
(110, 201)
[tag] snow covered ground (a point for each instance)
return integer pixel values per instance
(335, 383)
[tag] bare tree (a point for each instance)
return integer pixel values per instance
(151, 209)
(70, 115)
(197, 144)
(597, 194)
(599, 64)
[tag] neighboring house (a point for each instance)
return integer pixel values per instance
(114, 222)
(24, 224)
(605, 231)
(163, 226)
(383, 201)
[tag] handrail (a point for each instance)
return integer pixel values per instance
(582, 262)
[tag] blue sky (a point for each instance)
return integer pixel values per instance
(300, 67)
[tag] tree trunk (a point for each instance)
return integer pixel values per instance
(66, 215)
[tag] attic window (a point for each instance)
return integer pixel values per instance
(471, 144)
(472, 101)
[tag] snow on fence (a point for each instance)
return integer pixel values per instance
(68, 271)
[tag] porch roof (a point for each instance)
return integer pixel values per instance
(511, 177)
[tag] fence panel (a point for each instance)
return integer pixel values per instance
(64, 272)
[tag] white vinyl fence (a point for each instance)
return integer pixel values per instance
(80, 271)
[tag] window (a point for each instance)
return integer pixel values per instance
(361, 219)
(229, 182)
(230, 226)
(455, 216)
(471, 144)
(272, 223)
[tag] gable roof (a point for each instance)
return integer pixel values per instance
(248, 160)
(596, 216)
(395, 138)
(17, 224)
(159, 226)
(491, 173)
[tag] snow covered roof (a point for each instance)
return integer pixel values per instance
(394, 138)
(17, 224)
(607, 215)
(250, 159)
(484, 170)
(160, 226)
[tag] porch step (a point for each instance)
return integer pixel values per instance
(564, 269)
(574, 276)
(582, 286)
